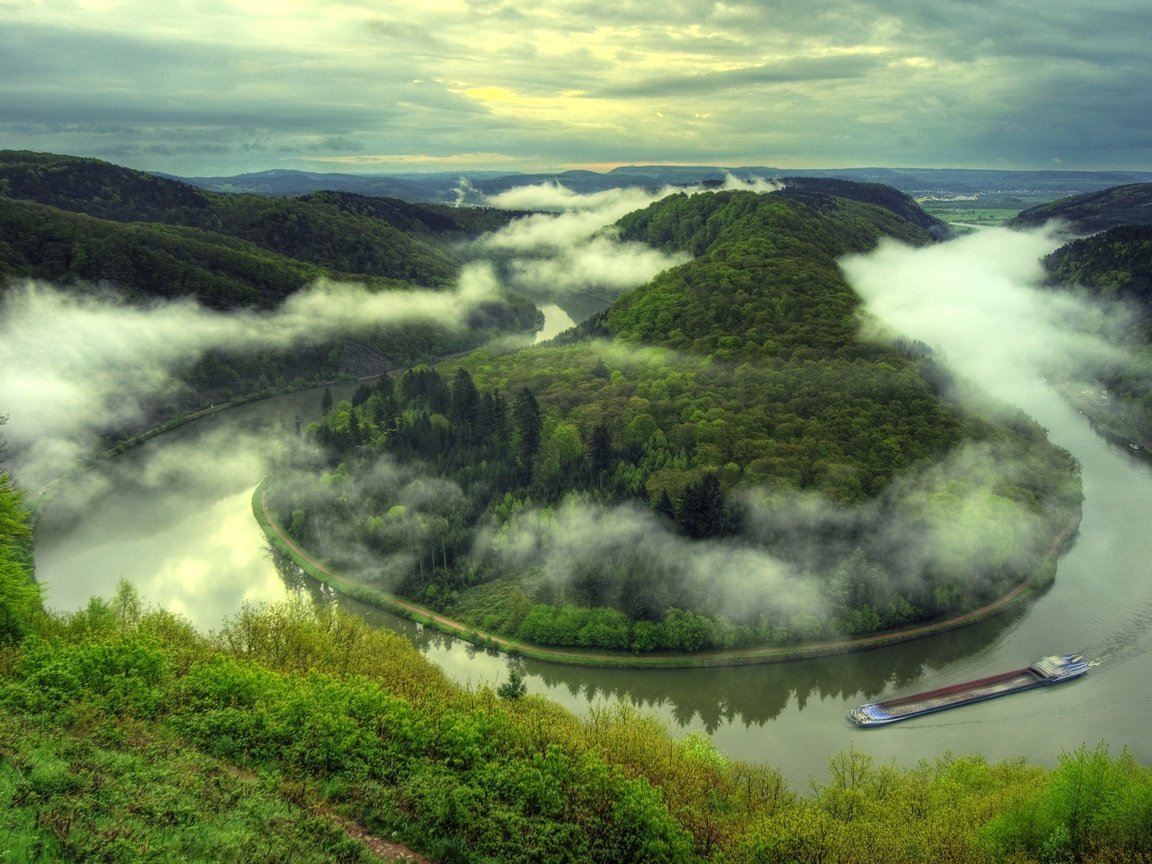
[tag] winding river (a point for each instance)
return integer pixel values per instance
(173, 517)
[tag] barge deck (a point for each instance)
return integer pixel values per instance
(1046, 671)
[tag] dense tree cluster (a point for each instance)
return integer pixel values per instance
(1114, 269)
(1091, 212)
(145, 260)
(341, 233)
(740, 370)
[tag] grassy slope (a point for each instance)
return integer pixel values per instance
(126, 736)
(130, 739)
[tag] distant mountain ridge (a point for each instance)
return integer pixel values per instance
(343, 233)
(446, 186)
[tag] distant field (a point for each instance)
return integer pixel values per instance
(973, 215)
(984, 208)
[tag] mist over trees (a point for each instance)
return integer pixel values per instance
(718, 459)
(262, 294)
(1114, 269)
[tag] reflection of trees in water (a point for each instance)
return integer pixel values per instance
(755, 695)
(296, 580)
(718, 696)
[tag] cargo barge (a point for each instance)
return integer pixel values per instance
(1048, 670)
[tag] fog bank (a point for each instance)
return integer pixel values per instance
(977, 302)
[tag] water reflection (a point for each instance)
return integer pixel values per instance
(145, 540)
(556, 321)
(708, 698)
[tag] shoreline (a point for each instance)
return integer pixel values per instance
(317, 570)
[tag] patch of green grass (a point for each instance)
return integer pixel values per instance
(143, 798)
(495, 607)
(973, 215)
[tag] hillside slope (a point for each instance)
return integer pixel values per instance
(1092, 212)
(342, 232)
(1114, 269)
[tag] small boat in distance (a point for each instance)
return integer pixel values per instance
(1047, 670)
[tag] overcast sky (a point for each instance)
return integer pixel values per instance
(210, 87)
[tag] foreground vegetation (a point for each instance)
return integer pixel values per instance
(295, 732)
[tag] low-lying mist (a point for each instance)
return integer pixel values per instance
(76, 365)
(979, 304)
(73, 366)
(569, 246)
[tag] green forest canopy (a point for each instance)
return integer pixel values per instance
(738, 374)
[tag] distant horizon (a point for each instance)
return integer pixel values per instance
(508, 172)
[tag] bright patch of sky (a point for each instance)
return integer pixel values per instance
(224, 86)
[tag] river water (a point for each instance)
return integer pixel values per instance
(173, 517)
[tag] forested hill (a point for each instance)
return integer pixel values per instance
(1114, 269)
(145, 261)
(899, 203)
(1130, 204)
(1113, 265)
(701, 408)
(77, 223)
(765, 282)
(769, 379)
(342, 232)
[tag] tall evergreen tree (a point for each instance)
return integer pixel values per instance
(464, 406)
(703, 512)
(528, 424)
(600, 454)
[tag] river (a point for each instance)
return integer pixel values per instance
(173, 517)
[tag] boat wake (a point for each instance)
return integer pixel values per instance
(1125, 640)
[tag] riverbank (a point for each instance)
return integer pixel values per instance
(1092, 400)
(43, 495)
(317, 570)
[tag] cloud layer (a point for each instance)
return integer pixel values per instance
(560, 83)
(75, 366)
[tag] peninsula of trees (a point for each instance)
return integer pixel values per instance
(718, 459)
